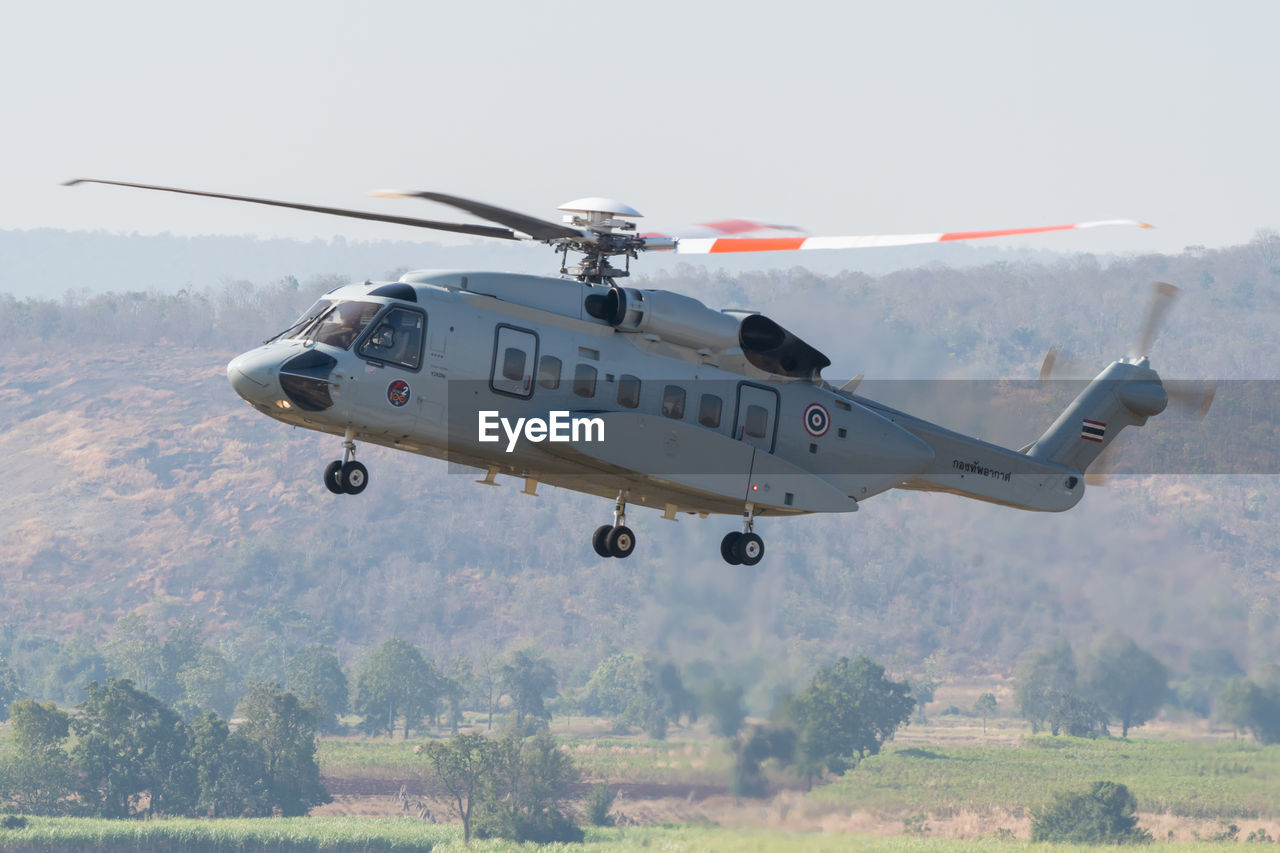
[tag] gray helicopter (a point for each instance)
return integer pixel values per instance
(642, 396)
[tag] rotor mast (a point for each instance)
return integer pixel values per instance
(608, 229)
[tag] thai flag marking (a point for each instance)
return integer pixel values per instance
(1093, 430)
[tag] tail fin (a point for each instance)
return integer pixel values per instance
(1124, 394)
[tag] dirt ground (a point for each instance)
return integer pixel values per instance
(647, 804)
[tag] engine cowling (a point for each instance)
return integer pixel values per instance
(687, 322)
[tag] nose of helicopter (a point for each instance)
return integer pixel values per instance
(252, 375)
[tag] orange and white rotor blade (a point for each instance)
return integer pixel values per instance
(719, 245)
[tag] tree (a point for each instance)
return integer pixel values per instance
(231, 771)
(77, 662)
(134, 652)
(848, 711)
(181, 647)
(640, 691)
(1209, 672)
(985, 707)
(1103, 815)
(397, 682)
(131, 747)
(315, 676)
(461, 765)
(36, 776)
(206, 682)
(279, 724)
(1044, 680)
(528, 678)
(597, 804)
(1247, 705)
(522, 790)
(1127, 682)
(925, 685)
(455, 686)
(1076, 715)
(8, 689)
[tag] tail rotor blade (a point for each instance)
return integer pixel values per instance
(1161, 301)
(1099, 473)
(1194, 397)
(1050, 359)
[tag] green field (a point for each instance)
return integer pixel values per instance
(1226, 779)
(703, 761)
(339, 835)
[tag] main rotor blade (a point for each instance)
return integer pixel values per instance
(1161, 300)
(785, 244)
(539, 229)
(457, 227)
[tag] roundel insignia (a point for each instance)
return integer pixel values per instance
(398, 393)
(816, 420)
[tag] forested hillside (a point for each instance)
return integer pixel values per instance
(135, 480)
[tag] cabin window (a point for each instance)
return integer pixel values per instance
(549, 373)
(513, 364)
(396, 339)
(629, 391)
(673, 401)
(757, 421)
(584, 380)
(515, 354)
(709, 410)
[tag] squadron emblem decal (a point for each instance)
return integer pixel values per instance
(816, 420)
(398, 393)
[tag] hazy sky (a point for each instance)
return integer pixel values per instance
(843, 117)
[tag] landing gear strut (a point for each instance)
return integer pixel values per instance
(616, 540)
(745, 548)
(346, 476)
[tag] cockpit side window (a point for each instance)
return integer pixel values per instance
(344, 323)
(397, 338)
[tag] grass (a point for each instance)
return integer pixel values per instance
(1227, 779)
(340, 835)
(613, 759)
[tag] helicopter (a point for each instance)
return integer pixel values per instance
(645, 397)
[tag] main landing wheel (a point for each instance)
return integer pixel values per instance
(354, 477)
(728, 548)
(333, 477)
(621, 541)
(749, 549)
(599, 540)
(742, 549)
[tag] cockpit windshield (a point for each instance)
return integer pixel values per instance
(335, 323)
(300, 325)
